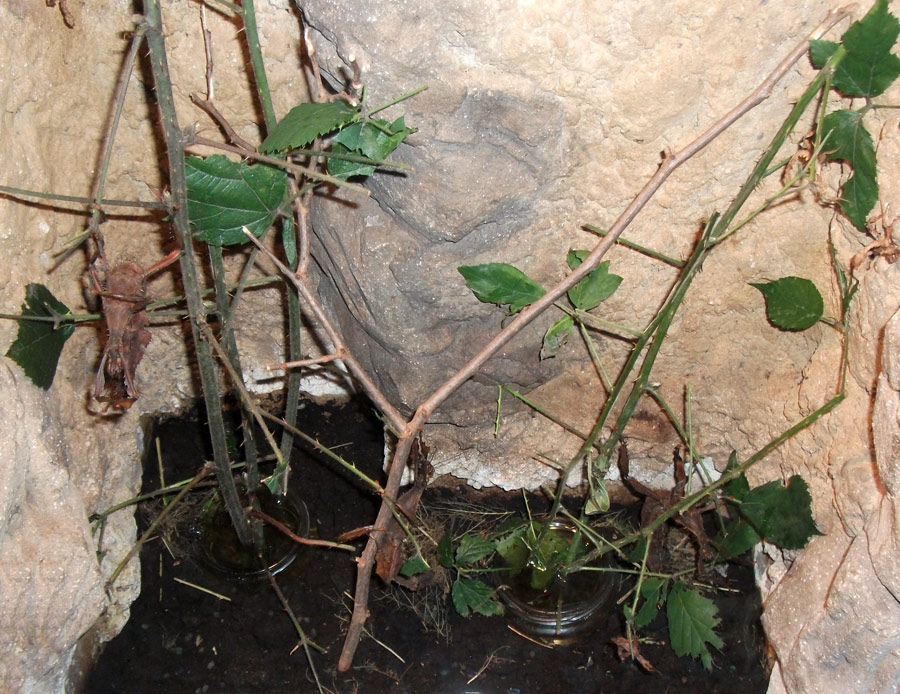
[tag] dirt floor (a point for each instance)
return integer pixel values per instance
(180, 639)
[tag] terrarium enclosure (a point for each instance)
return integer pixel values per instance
(539, 126)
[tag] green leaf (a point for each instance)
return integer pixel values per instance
(739, 485)
(413, 566)
(501, 283)
(224, 196)
(598, 286)
(869, 67)
(38, 344)
(306, 122)
(737, 537)
(512, 548)
(471, 595)
(781, 515)
(820, 51)
(692, 623)
(445, 551)
(848, 140)
(472, 548)
(556, 336)
(598, 501)
(792, 303)
(654, 597)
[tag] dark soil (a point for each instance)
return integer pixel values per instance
(182, 640)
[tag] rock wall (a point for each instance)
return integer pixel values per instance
(539, 118)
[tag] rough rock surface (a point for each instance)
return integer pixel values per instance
(539, 118)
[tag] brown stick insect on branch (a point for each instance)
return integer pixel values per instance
(123, 293)
(409, 430)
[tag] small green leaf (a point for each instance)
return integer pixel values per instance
(848, 140)
(556, 336)
(224, 196)
(471, 595)
(654, 597)
(414, 566)
(820, 51)
(692, 623)
(782, 515)
(306, 122)
(472, 548)
(737, 537)
(792, 303)
(501, 283)
(445, 551)
(598, 286)
(512, 548)
(598, 501)
(38, 344)
(869, 67)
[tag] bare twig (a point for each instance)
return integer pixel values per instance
(307, 362)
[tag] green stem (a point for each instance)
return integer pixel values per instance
(258, 65)
(643, 250)
(174, 143)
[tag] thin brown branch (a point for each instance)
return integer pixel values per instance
(307, 362)
(422, 414)
(281, 527)
(393, 416)
(221, 121)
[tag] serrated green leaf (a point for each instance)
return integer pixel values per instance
(472, 548)
(781, 515)
(414, 566)
(693, 619)
(306, 122)
(598, 286)
(224, 196)
(471, 595)
(556, 336)
(654, 597)
(869, 67)
(501, 283)
(848, 140)
(739, 485)
(792, 303)
(38, 344)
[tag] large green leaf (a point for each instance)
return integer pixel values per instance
(38, 344)
(306, 122)
(224, 196)
(781, 515)
(792, 303)
(598, 286)
(501, 283)
(692, 623)
(471, 595)
(869, 67)
(848, 140)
